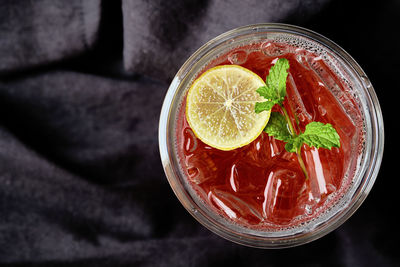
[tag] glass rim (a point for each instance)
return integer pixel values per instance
(370, 168)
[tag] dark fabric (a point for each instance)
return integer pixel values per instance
(81, 88)
(160, 35)
(38, 32)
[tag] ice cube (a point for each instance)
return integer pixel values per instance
(322, 174)
(332, 167)
(296, 101)
(200, 167)
(259, 151)
(234, 207)
(301, 57)
(245, 177)
(282, 193)
(347, 120)
(274, 49)
(237, 57)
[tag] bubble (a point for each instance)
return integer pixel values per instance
(308, 209)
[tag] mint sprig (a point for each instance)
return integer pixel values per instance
(316, 134)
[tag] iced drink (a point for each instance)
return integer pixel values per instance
(262, 185)
(262, 194)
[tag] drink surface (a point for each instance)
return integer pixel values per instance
(261, 185)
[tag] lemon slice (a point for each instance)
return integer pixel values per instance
(220, 107)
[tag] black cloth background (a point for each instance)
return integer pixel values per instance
(81, 88)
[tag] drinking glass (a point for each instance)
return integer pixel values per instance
(369, 158)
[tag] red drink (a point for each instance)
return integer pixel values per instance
(261, 185)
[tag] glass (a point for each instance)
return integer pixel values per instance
(368, 161)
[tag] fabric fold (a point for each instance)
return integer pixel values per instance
(40, 32)
(160, 35)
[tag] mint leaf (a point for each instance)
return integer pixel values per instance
(274, 90)
(276, 78)
(278, 128)
(271, 96)
(266, 93)
(319, 135)
(316, 135)
(261, 106)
